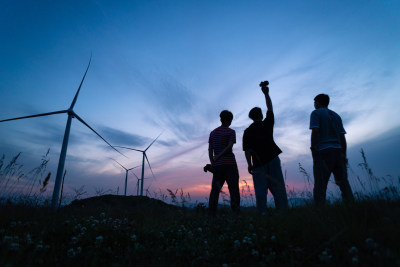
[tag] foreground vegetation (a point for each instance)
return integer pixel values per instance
(114, 230)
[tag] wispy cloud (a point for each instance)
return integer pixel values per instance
(122, 138)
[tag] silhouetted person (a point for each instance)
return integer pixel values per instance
(262, 156)
(328, 148)
(223, 163)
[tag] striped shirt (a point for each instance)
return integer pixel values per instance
(219, 139)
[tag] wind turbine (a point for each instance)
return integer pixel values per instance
(144, 157)
(126, 173)
(71, 115)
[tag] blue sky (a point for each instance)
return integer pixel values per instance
(172, 66)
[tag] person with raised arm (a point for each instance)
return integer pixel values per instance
(262, 156)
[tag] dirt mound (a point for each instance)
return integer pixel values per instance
(113, 204)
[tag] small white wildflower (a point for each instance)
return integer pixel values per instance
(133, 237)
(236, 244)
(353, 251)
(39, 246)
(71, 253)
(273, 238)
(354, 259)
(199, 229)
(102, 215)
(254, 252)
(78, 250)
(83, 229)
(325, 255)
(14, 246)
(205, 242)
(28, 239)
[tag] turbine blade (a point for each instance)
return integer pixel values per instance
(87, 125)
(119, 164)
(134, 167)
(154, 141)
(136, 176)
(148, 162)
(80, 85)
(37, 115)
(130, 148)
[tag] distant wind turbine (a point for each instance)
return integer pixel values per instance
(144, 157)
(126, 173)
(71, 115)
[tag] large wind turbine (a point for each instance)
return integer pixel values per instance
(144, 157)
(126, 173)
(71, 115)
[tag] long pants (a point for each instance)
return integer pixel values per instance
(269, 176)
(326, 162)
(230, 174)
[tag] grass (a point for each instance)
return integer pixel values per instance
(112, 230)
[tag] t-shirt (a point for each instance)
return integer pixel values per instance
(258, 137)
(330, 127)
(219, 139)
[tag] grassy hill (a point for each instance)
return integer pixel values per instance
(139, 231)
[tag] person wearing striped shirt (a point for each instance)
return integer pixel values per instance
(223, 162)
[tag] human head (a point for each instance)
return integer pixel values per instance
(256, 114)
(226, 117)
(321, 101)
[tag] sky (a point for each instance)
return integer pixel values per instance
(171, 67)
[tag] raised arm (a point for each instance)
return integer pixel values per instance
(265, 90)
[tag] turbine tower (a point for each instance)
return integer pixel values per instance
(63, 153)
(143, 161)
(126, 173)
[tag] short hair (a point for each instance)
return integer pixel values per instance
(255, 114)
(323, 99)
(226, 116)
